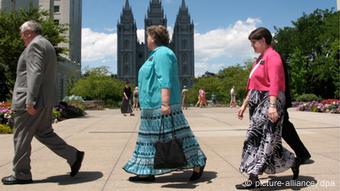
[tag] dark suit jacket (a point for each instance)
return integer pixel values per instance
(287, 92)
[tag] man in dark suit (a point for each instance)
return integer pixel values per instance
(33, 100)
(289, 133)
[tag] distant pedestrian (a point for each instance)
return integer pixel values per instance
(126, 101)
(32, 103)
(213, 99)
(135, 99)
(184, 97)
(232, 97)
(202, 101)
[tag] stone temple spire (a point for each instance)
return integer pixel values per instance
(183, 45)
(155, 14)
(126, 45)
(132, 53)
(127, 5)
(183, 4)
(183, 14)
(127, 15)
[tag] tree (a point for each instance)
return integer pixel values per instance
(311, 51)
(11, 46)
(221, 84)
(97, 84)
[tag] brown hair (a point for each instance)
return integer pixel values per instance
(159, 34)
(260, 33)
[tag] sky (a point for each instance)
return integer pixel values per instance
(221, 27)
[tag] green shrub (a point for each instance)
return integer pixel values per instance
(308, 97)
(56, 114)
(97, 84)
(5, 129)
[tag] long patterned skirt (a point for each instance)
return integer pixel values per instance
(263, 150)
(141, 162)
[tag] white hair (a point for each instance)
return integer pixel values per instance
(31, 26)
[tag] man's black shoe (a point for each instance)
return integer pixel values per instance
(77, 164)
(303, 160)
(252, 182)
(9, 180)
(296, 168)
(142, 178)
(249, 184)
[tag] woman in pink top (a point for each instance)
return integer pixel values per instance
(262, 149)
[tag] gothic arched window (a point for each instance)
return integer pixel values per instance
(126, 69)
(126, 44)
(126, 59)
(184, 44)
(126, 64)
(184, 59)
(184, 64)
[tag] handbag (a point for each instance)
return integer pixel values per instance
(169, 154)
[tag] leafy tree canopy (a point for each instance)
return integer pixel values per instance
(11, 46)
(221, 84)
(311, 50)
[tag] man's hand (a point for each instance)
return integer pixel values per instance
(30, 109)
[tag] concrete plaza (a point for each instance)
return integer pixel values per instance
(108, 138)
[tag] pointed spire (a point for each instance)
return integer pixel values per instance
(127, 15)
(183, 15)
(183, 4)
(127, 5)
(155, 14)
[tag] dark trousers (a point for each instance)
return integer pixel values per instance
(291, 137)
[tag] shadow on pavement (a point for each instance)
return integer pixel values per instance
(309, 161)
(81, 177)
(286, 182)
(181, 179)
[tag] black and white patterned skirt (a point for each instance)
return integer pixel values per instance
(262, 149)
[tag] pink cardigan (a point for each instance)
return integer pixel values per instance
(269, 75)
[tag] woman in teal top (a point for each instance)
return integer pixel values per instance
(160, 71)
(159, 92)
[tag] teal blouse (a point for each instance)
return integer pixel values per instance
(159, 71)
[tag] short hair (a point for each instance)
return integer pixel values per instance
(260, 33)
(31, 26)
(159, 34)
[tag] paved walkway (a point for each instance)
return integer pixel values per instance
(108, 139)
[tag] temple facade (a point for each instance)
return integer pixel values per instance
(131, 53)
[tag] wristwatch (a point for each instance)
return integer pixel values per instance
(272, 105)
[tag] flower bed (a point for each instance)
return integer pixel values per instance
(5, 113)
(329, 106)
(60, 112)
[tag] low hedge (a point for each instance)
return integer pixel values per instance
(5, 129)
